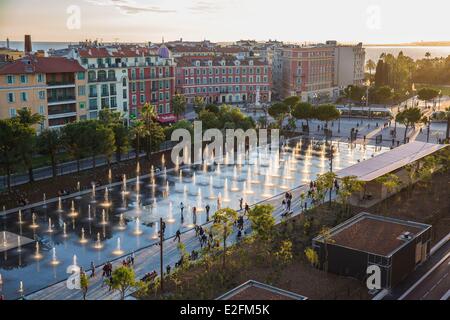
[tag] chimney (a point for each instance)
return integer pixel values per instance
(28, 46)
(7, 43)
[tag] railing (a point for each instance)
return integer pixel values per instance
(61, 83)
(60, 99)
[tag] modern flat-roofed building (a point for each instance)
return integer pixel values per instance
(54, 87)
(254, 290)
(349, 65)
(396, 246)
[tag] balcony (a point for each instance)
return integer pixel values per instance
(102, 79)
(61, 100)
(93, 94)
(61, 84)
(61, 110)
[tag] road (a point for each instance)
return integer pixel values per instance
(430, 281)
(435, 285)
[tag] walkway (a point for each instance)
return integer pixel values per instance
(148, 259)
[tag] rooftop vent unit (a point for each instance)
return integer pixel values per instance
(406, 236)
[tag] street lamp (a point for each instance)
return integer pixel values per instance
(367, 96)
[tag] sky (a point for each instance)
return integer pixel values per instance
(368, 21)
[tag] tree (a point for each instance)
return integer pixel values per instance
(427, 94)
(409, 118)
(312, 256)
(223, 225)
(199, 104)
(262, 221)
(122, 140)
(292, 101)
(27, 144)
(326, 182)
(101, 141)
(348, 186)
(390, 181)
(284, 255)
(153, 140)
(279, 111)
(48, 143)
(303, 111)
(370, 65)
(182, 124)
(84, 284)
(26, 117)
(9, 152)
(74, 139)
(148, 116)
(327, 113)
(179, 105)
(123, 279)
(139, 131)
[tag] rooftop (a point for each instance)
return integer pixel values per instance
(216, 61)
(33, 64)
(390, 161)
(253, 290)
(374, 234)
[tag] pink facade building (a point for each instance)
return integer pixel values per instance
(224, 79)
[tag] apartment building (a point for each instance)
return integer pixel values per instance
(317, 73)
(224, 79)
(54, 87)
(349, 65)
(124, 78)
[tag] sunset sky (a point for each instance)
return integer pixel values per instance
(369, 21)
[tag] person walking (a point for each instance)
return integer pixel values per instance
(92, 269)
(177, 236)
(241, 203)
(207, 208)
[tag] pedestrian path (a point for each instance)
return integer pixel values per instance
(148, 259)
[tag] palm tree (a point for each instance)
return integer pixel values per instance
(139, 131)
(370, 65)
(25, 117)
(149, 115)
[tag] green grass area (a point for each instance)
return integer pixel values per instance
(444, 89)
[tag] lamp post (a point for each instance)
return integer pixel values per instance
(331, 165)
(161, 239)
(367, 97)
(428, 128)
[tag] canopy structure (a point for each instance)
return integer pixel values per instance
(390, 161)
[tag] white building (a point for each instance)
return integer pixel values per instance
(349, 65)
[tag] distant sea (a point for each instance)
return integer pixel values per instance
(415, 52)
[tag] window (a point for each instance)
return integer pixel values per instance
(81, 76)
(161, 109)
(142, 98)
(12, 112)
(42, 95)
(82, 90)
(124, 82)
(125, 106)
(41, 110)
(24, 78)
(141, 86)
(10, 79)
(40, 77)
(24, 96)
(134, 100)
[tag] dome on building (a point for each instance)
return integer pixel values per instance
(163, 52)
